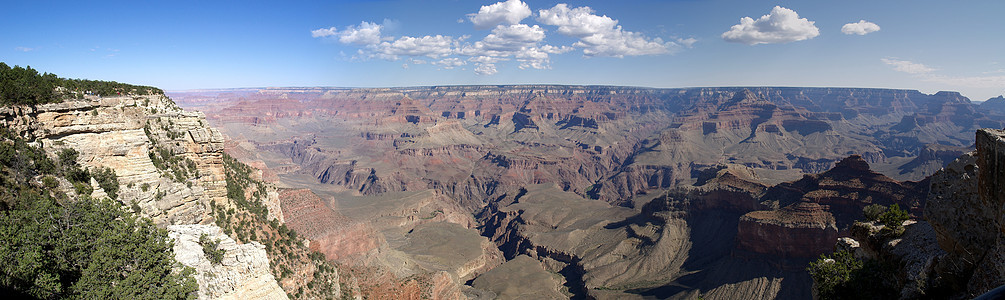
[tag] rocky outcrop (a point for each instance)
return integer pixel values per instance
(136, 136)
(956, 252)
(242, 274)
(990, 271)
(802, 230)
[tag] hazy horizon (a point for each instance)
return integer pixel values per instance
(927, 46)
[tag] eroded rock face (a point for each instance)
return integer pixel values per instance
(530, 160)
(615, 143)
(964, 226)
(243, 274)
(990, 272)
(125, 134)
(802, 230)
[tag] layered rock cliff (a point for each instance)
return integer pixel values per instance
(168, 160)
(169, 166)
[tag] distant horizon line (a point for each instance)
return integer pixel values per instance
(560, 85)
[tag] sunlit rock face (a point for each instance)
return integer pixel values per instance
(243, 273)
(127, 134)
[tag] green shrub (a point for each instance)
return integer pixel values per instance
(873, 212)
(83, 188)
(842, 276)
(212, 249)
(894, 216)
(49, 182)
(108, 181)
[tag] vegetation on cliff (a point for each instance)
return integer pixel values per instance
(842, 276)
(303, 274)
(53, 245)
(25, 86)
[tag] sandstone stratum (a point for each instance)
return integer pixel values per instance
(621, 192)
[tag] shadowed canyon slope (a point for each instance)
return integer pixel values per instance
(622, 191)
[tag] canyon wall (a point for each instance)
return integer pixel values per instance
(169, 164)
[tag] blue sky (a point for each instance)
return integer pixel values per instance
(924, 45)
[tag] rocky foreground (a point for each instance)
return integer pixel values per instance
(616, 192)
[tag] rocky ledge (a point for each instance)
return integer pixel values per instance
(243, 273)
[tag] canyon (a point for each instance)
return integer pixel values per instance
(597, 191)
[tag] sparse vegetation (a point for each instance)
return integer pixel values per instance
(176, 167)
(247, 220)
(894, 219)
(211, 248)
(108, 181)
(872, 212)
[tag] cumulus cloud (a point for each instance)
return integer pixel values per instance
(486, 69)
(782, 25)
(513, 37)
(601, 35)
(450, 63)
(324, 32)
(508, 41)
(863, 27)
(365, 34)
(437, 46)
(518, 41)
(509, 12)
(907, 66)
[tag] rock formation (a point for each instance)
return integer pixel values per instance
(128, 134)
(955, 251)
(170, 168)
(242, 274)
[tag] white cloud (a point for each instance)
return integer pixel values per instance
(601, 35)
(782, 25)
(24, 49)
(437, 46)
(509, 12)
(450, 63)
(907, 66)
(863, 27)
(323, 32)
(365, 34)
(514, 41)
(578, 22)
(512, 37)
(688, 42)
(486, 69)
